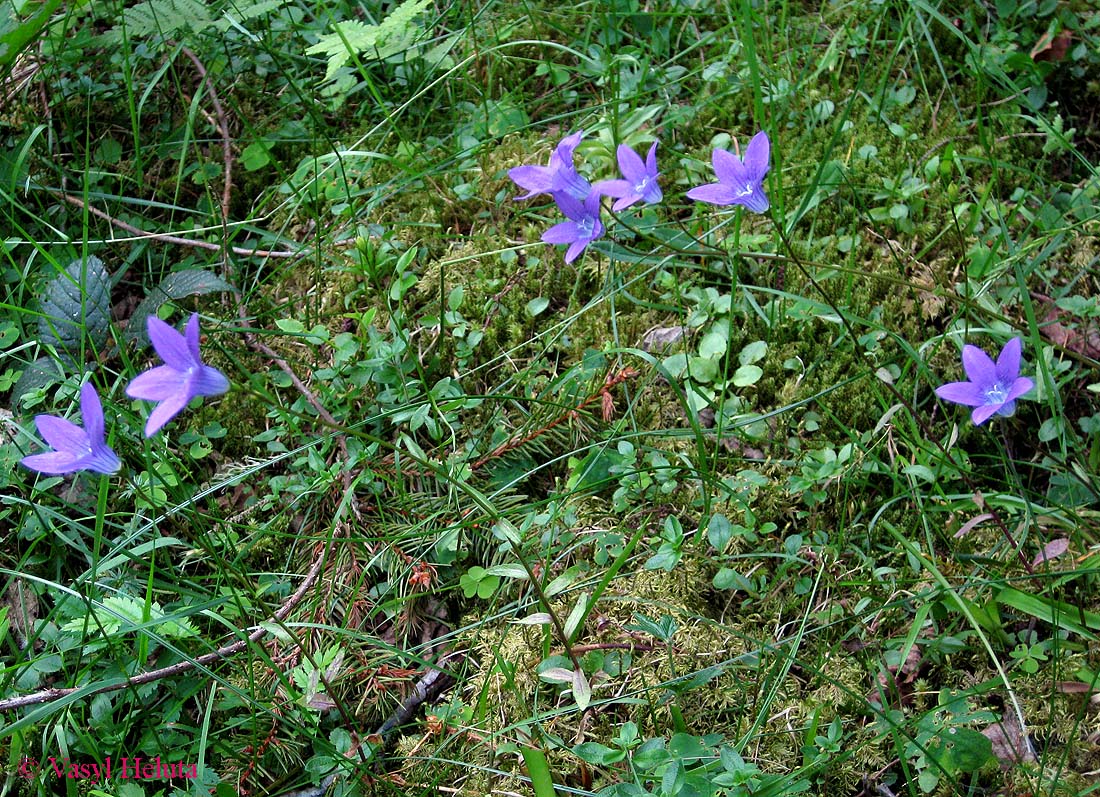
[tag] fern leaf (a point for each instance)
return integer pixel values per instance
(166, 17)
(375, 42)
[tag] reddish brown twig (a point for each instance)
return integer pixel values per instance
(224, 652)
(175, 239)
(604, 396)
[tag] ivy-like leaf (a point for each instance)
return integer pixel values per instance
(190, 282)
(76, 303)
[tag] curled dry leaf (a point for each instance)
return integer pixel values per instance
(969, 525)
(1010, 742)
(1080, 337)
(660, 338)
(1052, 550)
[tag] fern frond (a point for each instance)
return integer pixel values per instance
(374, 42)
(165, 18)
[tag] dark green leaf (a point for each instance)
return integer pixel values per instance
(75, 303)
(176, 285)
(41, 373)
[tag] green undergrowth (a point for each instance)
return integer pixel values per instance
(683, 517)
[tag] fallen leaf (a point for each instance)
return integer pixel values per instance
(1052, 550)
(1082, 337)
(662, 337)
(1052, 48)
(969, 525)
(1010, 742)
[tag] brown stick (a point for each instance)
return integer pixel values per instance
(175, 239)
(225, 651)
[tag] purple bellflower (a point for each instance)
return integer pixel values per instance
(992, 388)
(75, 448)
(740, 181)
(557, 178)
(182, 377)
(584, 225)
(639, 181)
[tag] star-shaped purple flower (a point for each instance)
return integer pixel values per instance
(584, 225)
(992, 388)
(639, 181)
(182, 377)
(75, 448)
(740, 182)
(559, 177)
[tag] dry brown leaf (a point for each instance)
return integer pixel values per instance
(1052, 550)
(1082, 338)
(661, 338)
(1010, 742)
(1052, 48)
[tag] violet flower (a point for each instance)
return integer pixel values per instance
(992, 388)
(740, 182)
(182, 377)
(559, 177)
(584, 225)
(75, 448)
(639, 181)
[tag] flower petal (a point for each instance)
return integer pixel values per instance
(191, 335)
(571, 207)
(1020, 386)
(92, 412)
(755, 200)
(170, 344)
(63, 435)
(563, 152)
(567, 181)
(651, 161)
(730, 169)
(536, 179)
(630, 164)
(208, 381)
(165, 411)
(983, 414)
(966, 393)
(53, 463)
(625, 202)
(575, 249)
(102, 460)
(758, 157)
(714, 193)
(158, 384)
(564, 232)
(979, 367)
(614, 188)
(1008, 361)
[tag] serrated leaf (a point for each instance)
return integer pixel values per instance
(165, 18)
(370, 42)
(76, 303)
(41, 373)
(189, 282)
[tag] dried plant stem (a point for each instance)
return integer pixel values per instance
(224, 652)
(175, 239)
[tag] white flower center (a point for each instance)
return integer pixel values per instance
(997, 394)
(746, 190)
(586, 226)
